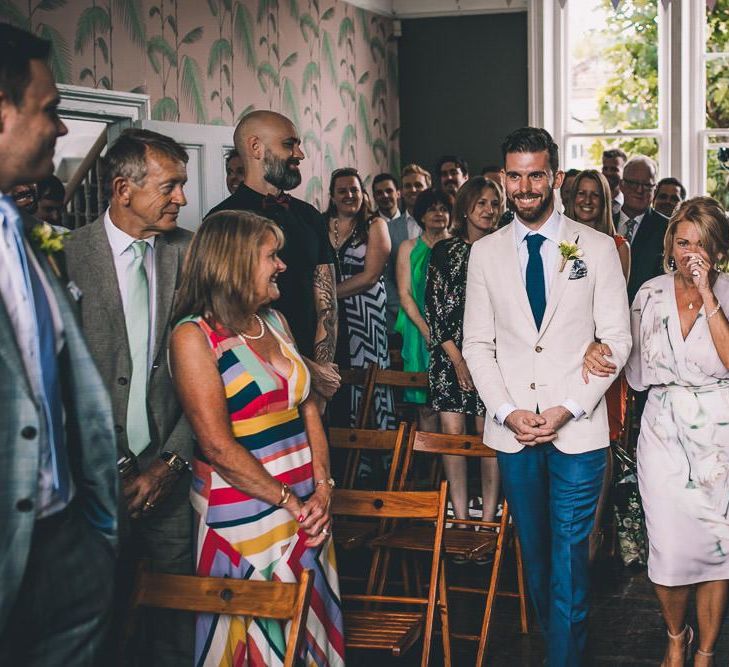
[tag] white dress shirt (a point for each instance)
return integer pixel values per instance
(21, 311)
(381, 214)
(617, 203)
(123, 255)
(549, 252)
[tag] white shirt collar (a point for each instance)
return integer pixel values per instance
(549, 229)
(119, 240)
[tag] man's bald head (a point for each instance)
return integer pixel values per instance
(271, 150)
(261, 124)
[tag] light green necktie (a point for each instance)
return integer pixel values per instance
(137, 320)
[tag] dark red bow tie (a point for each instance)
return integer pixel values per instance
(281, 199)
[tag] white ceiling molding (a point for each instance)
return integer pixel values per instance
(408, 9)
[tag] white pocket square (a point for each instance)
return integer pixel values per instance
(578, 270)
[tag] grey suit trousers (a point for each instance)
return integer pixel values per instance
(62, 611)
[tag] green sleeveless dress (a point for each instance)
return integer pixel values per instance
(415, 354)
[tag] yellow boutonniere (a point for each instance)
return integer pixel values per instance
(568, 251)
(50, 241)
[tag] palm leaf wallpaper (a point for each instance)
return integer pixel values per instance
(330, 67)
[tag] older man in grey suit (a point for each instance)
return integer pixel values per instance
(58, 481)
(128, 264)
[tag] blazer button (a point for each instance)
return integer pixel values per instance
(29, 432)
(24, 505)
(538, 348)
(532, 386)
(122, 381)
(118, 429)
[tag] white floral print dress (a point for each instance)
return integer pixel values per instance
(683, 447)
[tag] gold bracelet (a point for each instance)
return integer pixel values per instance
(285, 494)
(714, 312)
(329, 481)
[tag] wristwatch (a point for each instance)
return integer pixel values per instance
(175, 461)
(329, 482)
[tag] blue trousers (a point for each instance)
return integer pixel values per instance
(553, 497)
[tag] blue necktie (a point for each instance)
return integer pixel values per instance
(51, 386)
(535, 278)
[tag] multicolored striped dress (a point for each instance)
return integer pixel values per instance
(244, 537)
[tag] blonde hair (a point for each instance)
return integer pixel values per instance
(604, 222)
(219, 270)
(409, 169)
(711, 222)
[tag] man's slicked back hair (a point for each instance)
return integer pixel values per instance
(127, 157)
(17, 48)
(532, 140)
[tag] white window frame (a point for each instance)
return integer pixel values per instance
(681, 133)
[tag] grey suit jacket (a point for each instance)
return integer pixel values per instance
(89, 439)
(91, 266)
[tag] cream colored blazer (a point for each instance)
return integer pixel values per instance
(511, 362)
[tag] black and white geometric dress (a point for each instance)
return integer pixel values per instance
(362, 338)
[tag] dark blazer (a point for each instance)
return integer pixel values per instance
(91, 266)
(89, 438)
(646, 250)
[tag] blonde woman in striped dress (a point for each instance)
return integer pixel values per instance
(261, 480)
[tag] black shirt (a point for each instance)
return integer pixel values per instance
(306, 245)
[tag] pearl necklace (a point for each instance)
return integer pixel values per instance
(242, 335)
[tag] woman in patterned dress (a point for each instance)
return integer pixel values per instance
(361, 246)
(479, 205)
(681, 356)
(432, 211)
(261, 482)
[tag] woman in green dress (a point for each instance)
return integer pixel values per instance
(432, 211)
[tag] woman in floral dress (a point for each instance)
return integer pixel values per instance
(681, 355)
(479, 205)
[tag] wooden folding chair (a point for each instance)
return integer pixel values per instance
(234, 597)
(391, 378)
(397, 631)
(491, 538)
(351, 534)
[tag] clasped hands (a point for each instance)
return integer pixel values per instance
(313, 515)
(532, 429)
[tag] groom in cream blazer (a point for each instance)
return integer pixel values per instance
(533, 305)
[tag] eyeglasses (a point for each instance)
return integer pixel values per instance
(638, 185)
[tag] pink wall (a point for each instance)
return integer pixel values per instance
(332, 68)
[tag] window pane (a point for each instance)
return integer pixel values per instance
(717, 172)
(613, 66)
(717, 28)
(586, 152)
(717, 65)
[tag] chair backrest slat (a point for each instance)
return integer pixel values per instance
(386, 504)
(407, 379)
(266, 599)
(457, 445)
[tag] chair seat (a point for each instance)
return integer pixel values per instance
(467, 543)
(394, 631)
(353, 534)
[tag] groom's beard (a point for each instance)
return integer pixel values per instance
(532, 214)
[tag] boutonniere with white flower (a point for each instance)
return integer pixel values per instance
(49, 240)
(568, 251)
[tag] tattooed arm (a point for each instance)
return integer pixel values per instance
(325, 302)
(324, 375)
